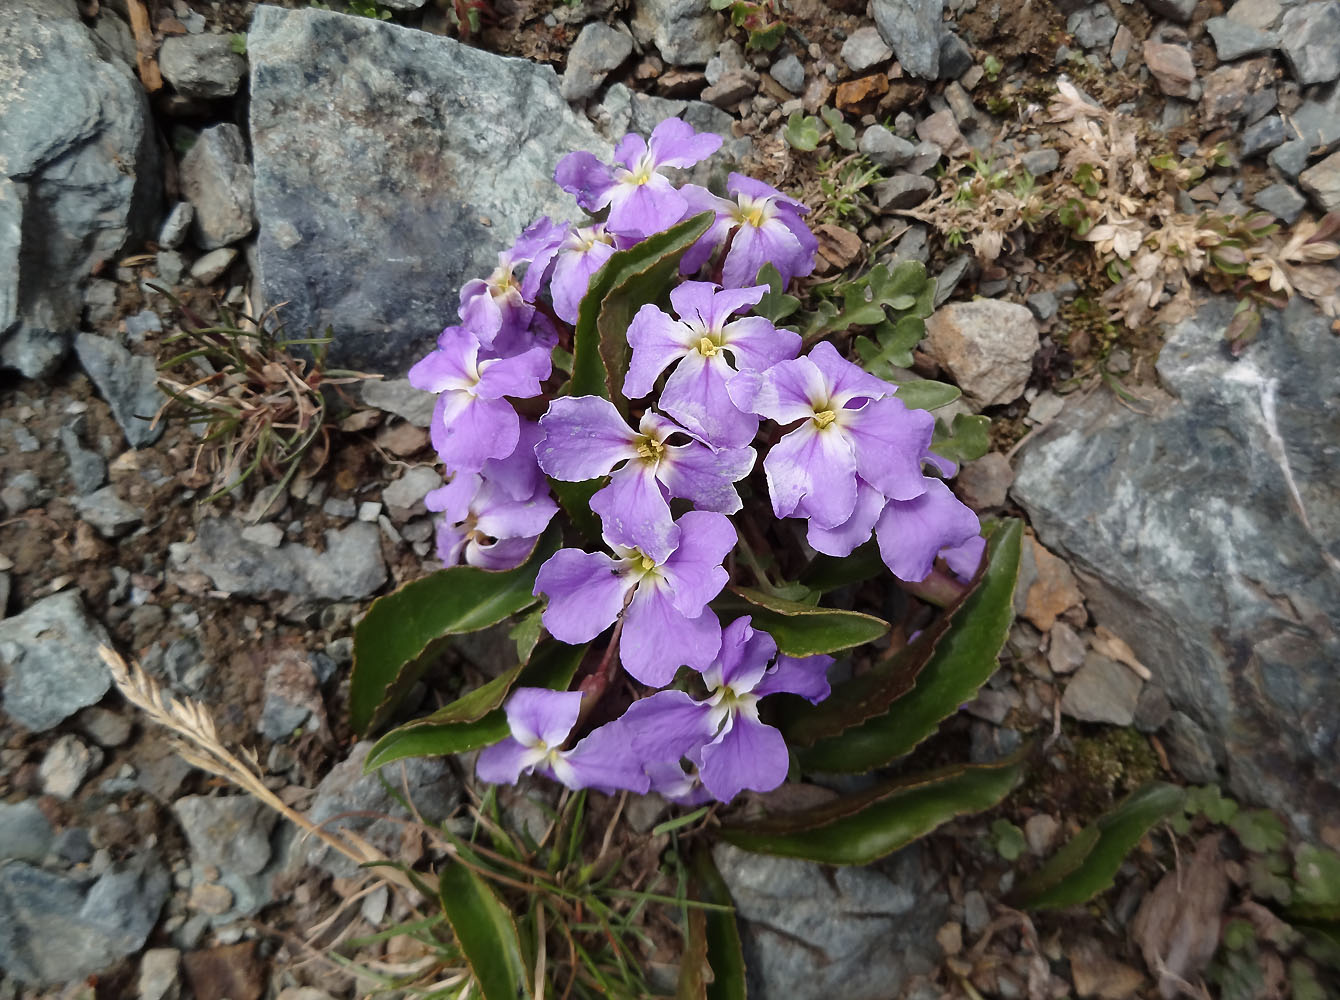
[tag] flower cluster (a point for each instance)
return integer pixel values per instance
(708, 385)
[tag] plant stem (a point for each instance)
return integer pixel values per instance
(939, 589)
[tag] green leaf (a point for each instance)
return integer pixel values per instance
(627, 281)
(575, 499)
(802, 132)
(767, 39)
(843, 134)
(1259, 830)
(923, 394)
(1008, 839)
(486, 934)
(862, 828)
(775, 305)
(713, 965)
(476, 720)
(403, 631)
(803, 629)
(526, 634)
(825, 573)
(1317, 872)
(1209, 801)
(968, 440)
(892, 346)
(960, 662)
(1086, 865)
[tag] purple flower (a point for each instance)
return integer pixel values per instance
(723, 734)
(581, 254)
(663, 602)
(702, 344)
(519, 474)
(472, 422)
(850, 424)
(912, 532)
(964, 560)
(670, 782)
(482, 521)
(586, 438)
(641, 201)
(499, 307)
(767, 229)
(540, 721)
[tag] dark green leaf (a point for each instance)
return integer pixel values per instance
(862, 828)
(803, 629)
(1317, 872)
(968, 440)
(802, 132)
(526, 633)
(575, 499)
(923, 394)
(724, 953)
(403, 631)
(767, 39)
(627, 281)
(960, 663)
(486, 934)
(775, 305)
(1086, 865)
(475, 720)
(1008, 838)
(1259, 830)
(825, 573)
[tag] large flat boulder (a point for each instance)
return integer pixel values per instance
(391, 167)
(1207, 534)
(80, 178)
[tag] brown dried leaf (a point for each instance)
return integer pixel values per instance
(1177, 926)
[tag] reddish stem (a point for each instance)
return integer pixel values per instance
(940, 589)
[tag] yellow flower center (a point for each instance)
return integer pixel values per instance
(707, 348)
(824, 417)
(648, 564)
(650, 450)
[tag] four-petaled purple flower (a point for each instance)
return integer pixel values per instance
(585, 438)
(641, 200)
(663, 601)
(582, 253)
(849, 424)
(702, 343)
(498, 309)
(482, 521)
(723, 734)
(472, 421)
(762, 226)
(540, 721)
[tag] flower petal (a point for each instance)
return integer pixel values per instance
(812, 473)
(889, 442)
(586, 592)
(912, 532)
(771, 243)
(640, 210)
(658, 639)
(665, 726)
(536, 715)
(846, 381)
(806, 676)
(586, 179)
(747, 755)
(503, 763)
(602, 761)
(786, 392)
(451, 366)
(840, 540)
(695, 394)
(676, 143)
(745, 655)
(754, 344)
(634, 514)
(584, 437)
(705, 477)
(657, 342)
(468, 431)
(518, 376)
(694, 570)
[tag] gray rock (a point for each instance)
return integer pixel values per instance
(1234, 39)
(1174, 10)
(1290, 157)
(129, 383)
(350, 567)
(159, 969)
(230, 832)
(176, 226)
(399, 397)
(292, 696)
(67, 765)
(1282, 201)
(1093, 27)
(1193, 755)
(912, 29)
(216, 178)
(429, 783)
(813, 933)
(863, 49)
(51, 654)
(1065, 649)
(1265, 135)
(1040, 162)
(1102, 690)
(1153, 709)
(95, 925)
(169, 264)
(1260, 14)
(73, 845)
(986, 345)
(80, 179)
(88, 471)
(598, 49)
(104, 727)
(925, 155)
(985, 483)
(1207, 534)
(685, 32)
(25, 833)
(1322, 182)
(1308, 36)
(107, 512)
(115, 36)
(99, 300)
(789, 72)
(212, 266)
(885, 148)
(903, 191)
(201, 65)
(955, 56)
(407, 492)
(462, 145)
(1043, 304)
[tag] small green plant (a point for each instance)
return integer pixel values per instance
(238, 43)
(760, 19)
(369, 8)
(991, 66)
(804, 132)
(261, 408)
(1008, 839)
